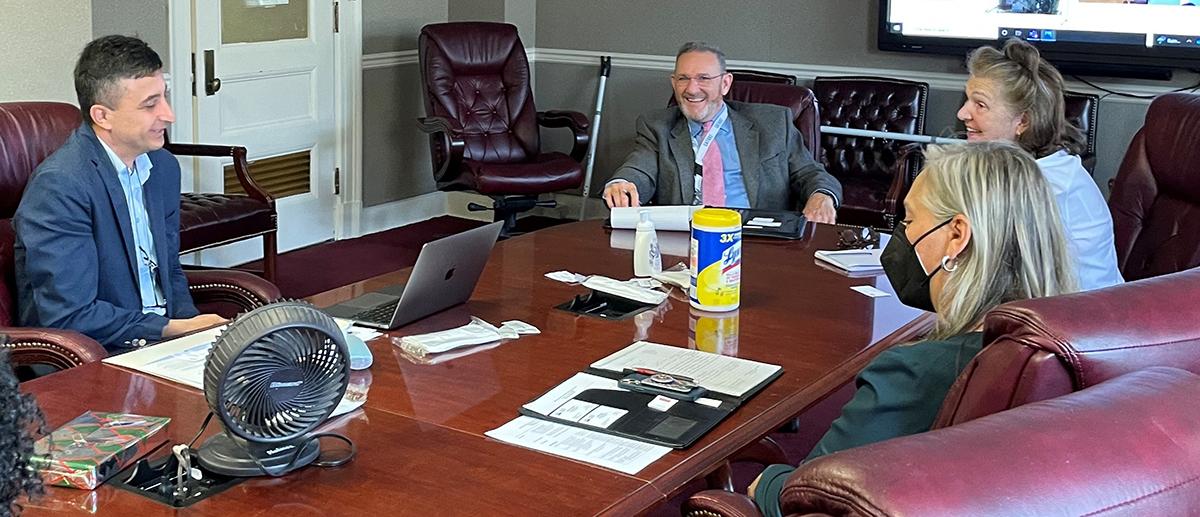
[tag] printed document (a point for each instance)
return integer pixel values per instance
(605, 450)
(722, 374)
(182, 360)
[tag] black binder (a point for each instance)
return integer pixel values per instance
(678, 427)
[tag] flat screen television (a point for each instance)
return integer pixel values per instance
(1132, 38)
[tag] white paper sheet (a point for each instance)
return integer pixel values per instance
(672, 218)
(722, 374)
(566, 391)
(608, 451)
(182, 360)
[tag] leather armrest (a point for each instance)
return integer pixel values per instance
(445, 135)
(215, 288)
(576, 121)
(240, 167)
(709, 503)
(61, 349)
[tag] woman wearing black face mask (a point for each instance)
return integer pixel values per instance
(982, 230)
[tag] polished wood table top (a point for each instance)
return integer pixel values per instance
(420, 436)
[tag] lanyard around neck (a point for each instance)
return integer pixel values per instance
(701, 148)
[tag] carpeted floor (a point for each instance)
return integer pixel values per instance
(321, 267)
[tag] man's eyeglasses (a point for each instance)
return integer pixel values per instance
(858, 239)
(702, 79)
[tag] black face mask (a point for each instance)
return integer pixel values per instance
(904, 270)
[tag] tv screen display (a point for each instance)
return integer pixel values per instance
(1084, 34)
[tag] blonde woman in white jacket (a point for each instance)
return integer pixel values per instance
(1015, 95)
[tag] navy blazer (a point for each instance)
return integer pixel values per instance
(76, 266)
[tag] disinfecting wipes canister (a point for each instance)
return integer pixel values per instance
(716, 259)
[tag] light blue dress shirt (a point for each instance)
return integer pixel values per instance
(735, 187)
(153, 300)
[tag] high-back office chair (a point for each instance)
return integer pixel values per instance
(875, 173)
(1083, 111)
(1155, 198)
(29, 133)
(482, 123)
(1127, 446)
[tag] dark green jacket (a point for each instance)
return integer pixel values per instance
(899, 393)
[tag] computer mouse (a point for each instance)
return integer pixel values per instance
(360, 354)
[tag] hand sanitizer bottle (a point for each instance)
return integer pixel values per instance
(647, 260)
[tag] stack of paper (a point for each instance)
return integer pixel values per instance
(853, 261)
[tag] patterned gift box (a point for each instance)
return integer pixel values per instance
(89, 449)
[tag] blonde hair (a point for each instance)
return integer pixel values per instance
(1017, 248)
(1029, 85)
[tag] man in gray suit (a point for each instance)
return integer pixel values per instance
(753, 159)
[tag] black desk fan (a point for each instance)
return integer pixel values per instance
(271, 378)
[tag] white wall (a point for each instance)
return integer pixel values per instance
(42, 40)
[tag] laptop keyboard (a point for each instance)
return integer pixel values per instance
(381, 314)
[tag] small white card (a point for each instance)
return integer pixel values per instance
(661, 403)
(870, 291)
(603, 416)
(573, 410)
(709, 402)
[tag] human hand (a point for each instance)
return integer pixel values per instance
(620, 194)
(203, 321)
(819, 209)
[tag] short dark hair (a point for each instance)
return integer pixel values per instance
(700, 46)
(21, 423)
(104, 62)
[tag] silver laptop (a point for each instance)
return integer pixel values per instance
(444, 276)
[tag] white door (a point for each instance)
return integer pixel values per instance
(264, 73)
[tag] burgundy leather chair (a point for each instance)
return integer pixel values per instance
(1083, 111)
(1127, 446)
(29, 133)
(875, 173)
(1043, 348)
(482, 124)
(1155, 198)
(210, 219)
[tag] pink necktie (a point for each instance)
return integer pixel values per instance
(712, 186)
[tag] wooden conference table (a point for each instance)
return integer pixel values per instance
(421, 449)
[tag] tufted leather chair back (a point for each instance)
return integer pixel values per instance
(1043, 348)
(1155, 199)
(866, 166)
(1082, 111)
(29, 133)
(780, 90)
(482, 81)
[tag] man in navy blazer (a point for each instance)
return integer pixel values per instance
(97, 247)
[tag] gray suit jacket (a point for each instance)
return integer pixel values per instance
(780, 174)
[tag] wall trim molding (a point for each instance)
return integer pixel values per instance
(937, 80)
(389, 59)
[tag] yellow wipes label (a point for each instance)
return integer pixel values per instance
(716, 269)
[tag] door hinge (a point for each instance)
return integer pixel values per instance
(193, 74)
(337, 181)
(336, 21)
